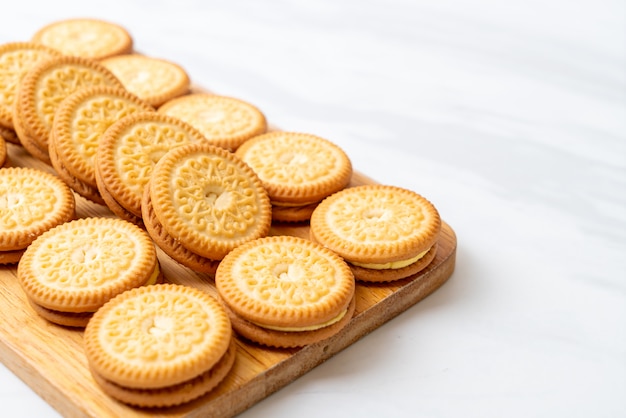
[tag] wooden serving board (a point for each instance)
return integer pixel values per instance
(50, 358)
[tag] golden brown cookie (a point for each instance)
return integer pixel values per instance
(3, 151)
(159, 346)
(9, 135)
(77, 266)
(209, 200)
(285, 291)
(153, 80)
(80, 122)
(385, 232)
(42, 90)
(297, 169)
(31, 202)
(129, 149)
(85, 37)
(225, 121)
(16, 58)
(171, 246)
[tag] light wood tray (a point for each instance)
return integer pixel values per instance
(50, 358)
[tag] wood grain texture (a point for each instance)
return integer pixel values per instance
(50, 358)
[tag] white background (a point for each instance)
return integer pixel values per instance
(510, 116)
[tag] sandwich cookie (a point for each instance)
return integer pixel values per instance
(153, 80)
(16, 58)
(127, 153)
(79, 123)
(284, 291)
(225, 121)
(207, 200)
(71, 270)
(297, 169)
(31, 202)
(41, 91)
(84, 37)
(160, 346)
(384, 232)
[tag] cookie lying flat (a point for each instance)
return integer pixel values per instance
(153, 80)
(80, 121)
(16, 58)
(41, 91)
(285, 291)
(84, 37)
(127, 153)
(208, 200)
(160, 346)
(31, 202)
(225, 121)
(297, 169)
(384, 232)
(71, 270)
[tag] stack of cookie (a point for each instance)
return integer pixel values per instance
(201, 177)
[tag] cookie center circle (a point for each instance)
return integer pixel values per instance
(10, 200)
(292, 158)
(211, 116)
(158, 326)
(219, 198)
(288, 272)
(85, 255)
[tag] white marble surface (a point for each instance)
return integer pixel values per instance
(509, 116)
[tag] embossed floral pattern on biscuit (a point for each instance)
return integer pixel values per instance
(14, 65)
(214, 196)
(87, 257)
(379, 216)
(157, 328)
(285, 275)
(141, 148)
(25, 200)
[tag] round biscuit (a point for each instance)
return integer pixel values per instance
(79, 265)
(172, 395)
(85, 37)
(225, 121)
(16, 58)
(297, 168)
(153, 80)
(9, 135)
(157, 336)
(114, 205)
(292, 339)
(80, 122)
(285, 281)
(363, 274)
(44, 87)
(129, 149)
(32, 201)
(208, 199)
(171, 246)
(376, 224)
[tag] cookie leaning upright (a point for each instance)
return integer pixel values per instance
(41, 91)
(16, 58)
(297, 169)
(284, 291)
(225, 121)
(384, 232)
(71, 270)
(207, 200)
(31, 202)
(127, 153)
(79, 123)
(85, 37)
(159, 346)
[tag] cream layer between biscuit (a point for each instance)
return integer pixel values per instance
(307, 328)
(392, 264)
